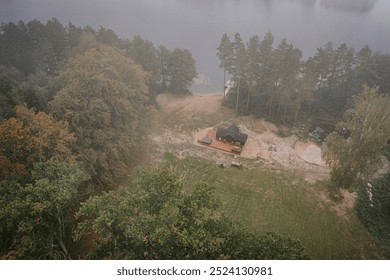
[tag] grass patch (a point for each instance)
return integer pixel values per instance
(267, 200)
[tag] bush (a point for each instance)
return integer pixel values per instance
(375, 213)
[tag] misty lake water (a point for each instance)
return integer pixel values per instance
(198, 25)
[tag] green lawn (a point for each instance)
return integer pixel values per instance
(265, 200)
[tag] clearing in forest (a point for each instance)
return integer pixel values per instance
(187, 120)
(268, 193)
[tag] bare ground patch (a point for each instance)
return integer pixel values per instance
(182, 122)
(343, 208)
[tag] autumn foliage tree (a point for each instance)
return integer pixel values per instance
(32, 137)
(39, 182)
(104, 99)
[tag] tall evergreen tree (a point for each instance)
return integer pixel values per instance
(225, 53)
(239, 64)
(254, 66)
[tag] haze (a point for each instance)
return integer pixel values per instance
(199, 24)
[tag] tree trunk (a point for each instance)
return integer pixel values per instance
(285, 112)
(296, 114)
(224, 83)
(280, 97)
(238, 94)
(61, 233)
(271, 101)
(249, 96)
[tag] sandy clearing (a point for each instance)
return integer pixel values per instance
(286, 153)
(255, 148)
(192, 104)
(313, 154)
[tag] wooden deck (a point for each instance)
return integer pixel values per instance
(219, 145)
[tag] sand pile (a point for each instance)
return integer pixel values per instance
(309, 153)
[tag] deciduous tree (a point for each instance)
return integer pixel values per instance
(181, 70)
(354, 152)
(103, 99)
(32, 137)
(154, 219)
(35, 218)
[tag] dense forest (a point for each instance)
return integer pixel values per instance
(277, 82)
(336, 89)
(77, 104)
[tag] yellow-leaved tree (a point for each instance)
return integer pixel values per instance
(32, 137)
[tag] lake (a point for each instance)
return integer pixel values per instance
(199, 24)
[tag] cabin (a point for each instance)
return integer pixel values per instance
(231, 134)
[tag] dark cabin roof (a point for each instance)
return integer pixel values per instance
(231, 134)
(234, 128)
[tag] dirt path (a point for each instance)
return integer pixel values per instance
(184, 120)
(191, 104)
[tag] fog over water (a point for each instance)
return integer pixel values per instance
(199, 24)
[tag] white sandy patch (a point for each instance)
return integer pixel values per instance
(312, 154)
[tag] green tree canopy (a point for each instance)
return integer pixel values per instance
(103, 98)
(224, 53)
(145, 54)
(35, 219)
(10, 78)
(181, 70)
(107, 36)
(373, 209)
(16, 47)
(154, 219)
(354, 151)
